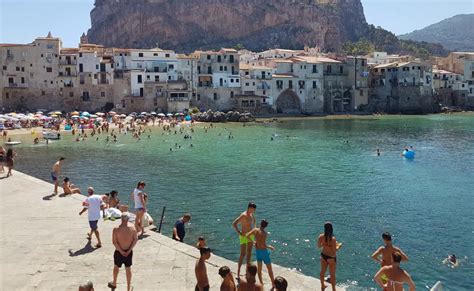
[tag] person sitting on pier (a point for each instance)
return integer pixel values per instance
(201, 243)
(88, 286)
(70, 188)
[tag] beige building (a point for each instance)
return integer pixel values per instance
(218, 79)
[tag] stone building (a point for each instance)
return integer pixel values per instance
(218, 79)
(405, 87)
(256, 82)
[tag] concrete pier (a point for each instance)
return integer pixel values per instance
(43, 246)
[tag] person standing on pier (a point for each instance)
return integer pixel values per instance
(201, 271)
(93, 204)
(250, 281)
(55, 172)
(395, 277)
(329, 246)
(138, 197)
(261, 250)
(124, 238)
(387, 251)
(247, 223)
(179, 230)
(228, 283)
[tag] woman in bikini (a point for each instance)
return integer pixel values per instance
(329, 246)
(70, 188)
(396, 277)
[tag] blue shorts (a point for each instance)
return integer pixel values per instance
(263, 255)
(93, 224)
(54, 177)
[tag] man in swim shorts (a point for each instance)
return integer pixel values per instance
(124, 238)
(201, 271)
(386, 252)
(55, 172)
(247, 223)
(93, 205)
(261, 250)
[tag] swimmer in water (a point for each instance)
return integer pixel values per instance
(451, 260)
(378, 152)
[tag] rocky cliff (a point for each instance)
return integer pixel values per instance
(186, 25)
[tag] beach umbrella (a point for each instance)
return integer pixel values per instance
(188, 118)
(153, 113)
(143, 113)
(39, 112)
(2, 119)
(74, 113)
(123, 115)
(99, 113)
(85, 113)
(99, 119)
(84, 117)
(57, 113)
(181, 114)
(161, 115)
(54, 115)
(169, 114)
(93, 116)
(176, 114)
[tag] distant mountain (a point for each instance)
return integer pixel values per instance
(455, 33)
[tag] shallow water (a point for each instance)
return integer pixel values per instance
(304, 177)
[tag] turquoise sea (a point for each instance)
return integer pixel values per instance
(313, 171)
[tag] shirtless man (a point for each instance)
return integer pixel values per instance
(262, 250)
(228, 283)
(247, 223)
(395, 276)
(138, 196)
(387, 251)
(124, 238)
(201, 271)
(55, 172)
(250, 282)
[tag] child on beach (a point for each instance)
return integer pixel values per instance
(262, 250)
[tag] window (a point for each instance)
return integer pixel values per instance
(41, 55)
(315, 86)
(22, 69)
(139, 79)
(96, 67)
(199, 69)
(290, 84)
(237, 80)
(215, 96)
(11, 81)
(49, 69)
(23, 80)
(140, 55)
(7, 95)
(155, 54)
(301, 84)
(17, 69)
(81, 68)
(363, 63)
(341, 69)
(157, 78)
(315, 69)
(4, 68)
(80, 55)
(102, 94)
(167, 55)
(225, 68)
(209, 70)
(219, 59)
(329, 69)
(43, 93)
(199, 97)
(361, 92)
(232, 94)
(232, 80)
(279, 84)
(231, 58)
(71, 94)
(171, 67)
(221, 68)
(247, 84)
(208, 57)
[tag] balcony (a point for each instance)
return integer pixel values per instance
(263, 86)
(156, 70)
(331, 73)
(103, 82)
(66, 74)
(67, 62)
(178, 99)
(16, 85)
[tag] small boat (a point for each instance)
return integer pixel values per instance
(13, 142)
(437, 287)
(51, 135)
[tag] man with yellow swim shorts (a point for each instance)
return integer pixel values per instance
(247, 223)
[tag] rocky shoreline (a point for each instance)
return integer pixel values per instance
(218, 116)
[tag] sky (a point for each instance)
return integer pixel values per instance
(21, 21)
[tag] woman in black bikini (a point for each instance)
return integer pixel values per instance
(328, 245)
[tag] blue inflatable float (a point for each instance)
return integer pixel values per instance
(67, 127)
(409, 154)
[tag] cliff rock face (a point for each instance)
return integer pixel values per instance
(186, 25)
